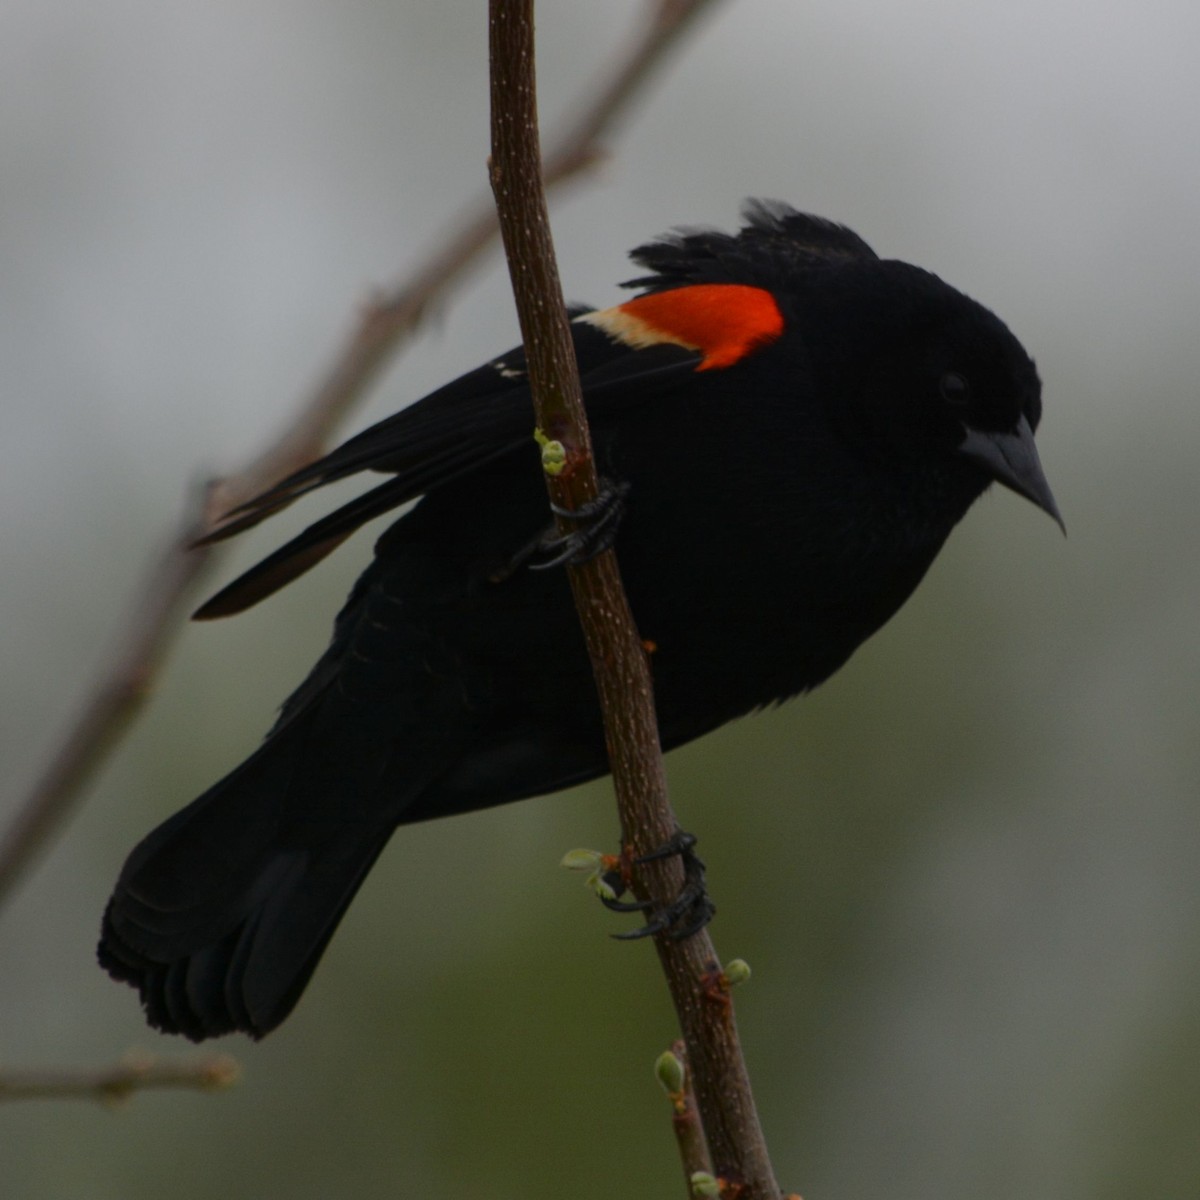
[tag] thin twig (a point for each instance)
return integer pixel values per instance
(699, 989)
(675, 1077)
(112, 1085)
(163, 600)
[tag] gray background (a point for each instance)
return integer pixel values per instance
(964, 871)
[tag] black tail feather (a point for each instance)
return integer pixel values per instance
(222, 913)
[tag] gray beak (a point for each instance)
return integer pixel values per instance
(1012, 459)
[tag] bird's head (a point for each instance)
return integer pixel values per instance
(945, 389)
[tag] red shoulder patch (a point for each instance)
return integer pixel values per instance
(724, 321)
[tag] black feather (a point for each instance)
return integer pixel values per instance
(778, 511)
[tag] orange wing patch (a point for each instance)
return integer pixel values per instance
(724, 321)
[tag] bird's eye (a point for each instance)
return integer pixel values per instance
(955, 390)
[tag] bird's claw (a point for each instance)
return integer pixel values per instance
(598, 520)
(617, 884)
(688, 913)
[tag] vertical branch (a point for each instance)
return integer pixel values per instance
(672, 1072)
(698, 987)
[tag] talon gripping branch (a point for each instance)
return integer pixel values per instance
(792, 426)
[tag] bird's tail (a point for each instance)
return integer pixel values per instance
(221, 913)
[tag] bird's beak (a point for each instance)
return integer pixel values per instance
(1012, 459)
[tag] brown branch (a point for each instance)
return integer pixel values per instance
(141, 646)
(112, 1085)
(698, 987)
(676, 1079)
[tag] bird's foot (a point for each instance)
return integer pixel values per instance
(598, 522)
(688, 913)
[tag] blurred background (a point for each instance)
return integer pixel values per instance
(964, 871)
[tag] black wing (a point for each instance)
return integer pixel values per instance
(450, 433)
(488, 412)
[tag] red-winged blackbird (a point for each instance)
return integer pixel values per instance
(790, 426)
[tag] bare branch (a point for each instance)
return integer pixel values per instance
(676, 1079)
(698, 987)
(383, 327)
(115, 1084)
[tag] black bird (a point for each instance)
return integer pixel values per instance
(790, 427)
